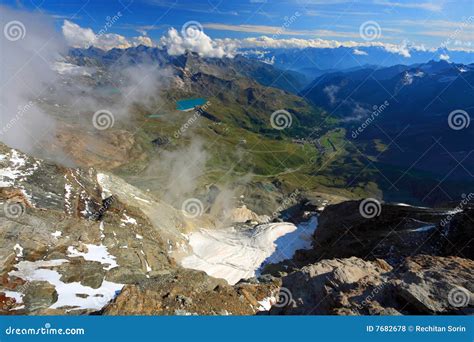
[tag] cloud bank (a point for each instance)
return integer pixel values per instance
(38, 98)
(27, 53)
(194, 39)
(80, 37)
(197, 41)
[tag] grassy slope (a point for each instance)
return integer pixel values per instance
(266, 155)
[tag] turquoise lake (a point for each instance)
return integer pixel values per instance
(187, 104)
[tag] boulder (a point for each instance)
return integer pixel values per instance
(397, 232)
(420, 285)
(189, 292)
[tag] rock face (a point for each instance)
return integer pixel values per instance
(190, 293)
(399, 231)
(78, 241)
(243, 214)
(406, 260)
(72, 240)
(421, 285)
(461, 233)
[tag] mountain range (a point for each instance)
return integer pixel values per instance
(314, 62)
(137, 205)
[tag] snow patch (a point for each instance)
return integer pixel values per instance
(127, 220)
(101, 229)
(67, 292)
(64, 68)
(67, 196)
(95, 253)
(141, 199)
(18, 250)
(234, 254)
(423, 229)
(56, 234)
(17, 170)
(17, 296)
(266, 303)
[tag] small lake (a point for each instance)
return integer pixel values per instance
(188, 104)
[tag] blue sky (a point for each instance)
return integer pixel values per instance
(420, 22)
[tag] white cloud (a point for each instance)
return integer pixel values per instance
(359, 52)
(177, 43)
(77, 36)
(331, 92)
(142, 40)
(297, 43)
(80, 37)
(444, 57)
(401, 49)
(278, 30)
(196, 41)
(428, 6)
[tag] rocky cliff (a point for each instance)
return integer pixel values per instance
(405, 260)
(79, 241)
(74, 239)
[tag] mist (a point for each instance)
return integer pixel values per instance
(180, 171)
(28, 49)
(48, 103)
(46, 96)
